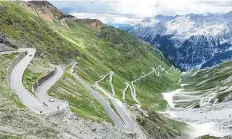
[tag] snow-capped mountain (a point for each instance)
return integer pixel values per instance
(191, 41)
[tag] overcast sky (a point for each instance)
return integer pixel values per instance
(128, 11)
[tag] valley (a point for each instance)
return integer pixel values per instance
(89, 110)
(191, 41)
(69, 78)
(203, 101)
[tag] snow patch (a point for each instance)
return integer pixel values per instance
(211, 120)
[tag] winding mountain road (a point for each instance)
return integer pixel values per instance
(124, 91)
(41, 103)
(119, 106)
(41, 91)
(36, 104)
(122, 122)
(154, 70)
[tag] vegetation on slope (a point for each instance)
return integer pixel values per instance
(208, 137)
(17, 121)
(29, 78)
(159, 126)
(25, 28)
(7, 94)
(37, 69)
(210, 80)
(80, 101)
(98, 49)
(109, 49)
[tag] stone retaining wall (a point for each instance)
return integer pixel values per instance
(43, 79)
(62, 113)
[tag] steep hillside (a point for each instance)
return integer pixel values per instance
(191, 41)
(98, 49)
(212, 83)
(204, 101)
(205, 87)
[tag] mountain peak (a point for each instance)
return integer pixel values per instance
(196, 40)
(49, 13)
(40, 3)
(93, 23)
(44, 10)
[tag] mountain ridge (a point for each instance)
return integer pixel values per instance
(195, 40)
(47, 12)
(97, 49)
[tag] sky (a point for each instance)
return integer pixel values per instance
(130, 11)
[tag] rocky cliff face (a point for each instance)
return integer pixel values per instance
(47, 12)
(191, 41)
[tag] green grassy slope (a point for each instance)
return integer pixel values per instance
(216, 79)
(25, 28)
(80, 101)
(109, 49)
(157, 125)
(97, 50)
(17, 121)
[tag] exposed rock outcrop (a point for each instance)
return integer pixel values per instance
(7, 44)
(191, 41)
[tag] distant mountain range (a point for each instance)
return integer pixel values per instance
(191, 41)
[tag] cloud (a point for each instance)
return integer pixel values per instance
(126, 11)
(108, 18)
(217, 3)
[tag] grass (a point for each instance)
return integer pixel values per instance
(97, 51)
(208, 137)
(10, 137)
(150, 87)
(129, 98)
(124, 55)
(25, 28)
(7, 95)
(29, 78)
(159, 126)
(80, 101)
(13, 114)
(215, 79)
(210, 76)
(36, 69)
(67, 89)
